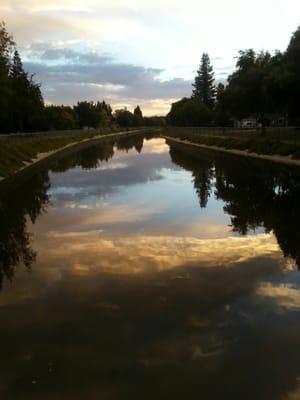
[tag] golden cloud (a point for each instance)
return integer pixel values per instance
(90, 251)
(285, 296)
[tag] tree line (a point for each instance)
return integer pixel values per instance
(22, 107)
(262, 85)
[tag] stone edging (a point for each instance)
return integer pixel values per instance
(274, 158)
(43, 156)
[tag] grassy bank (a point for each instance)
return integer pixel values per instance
(15, 155)
(262, 146)
(283, 134)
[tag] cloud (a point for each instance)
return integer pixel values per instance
(142, 254)
(285, 296)
(128, 37)
(68, 75)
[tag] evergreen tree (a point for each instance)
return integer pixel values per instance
(138, 112)
(27, 102)
(19, 81)
(204, 88)
(138, 116)
(6, 49)
(292, 66)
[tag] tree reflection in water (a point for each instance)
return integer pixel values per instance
(28, 201)
(256, 194)
(87, 158)
(129, 142)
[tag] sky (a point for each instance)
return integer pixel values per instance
(144, 52)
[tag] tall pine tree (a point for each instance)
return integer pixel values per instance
(6, 49)
(27, 101)
(204, 88)
(292, 64)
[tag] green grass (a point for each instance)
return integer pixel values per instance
(14, 155)
(262, 146)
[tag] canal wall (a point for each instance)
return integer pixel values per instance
(192, 147)
(44, 158)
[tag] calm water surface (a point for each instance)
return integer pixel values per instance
(132, 270)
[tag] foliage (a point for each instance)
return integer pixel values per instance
(221, 112)
(138, 116)
(204, 88)
(60, 118)
(92, 114)
(247, 92)
(189, 112)
(263, 83)
(291, 62)
(6, 50)
(21, 102)
(124, 118)
(154, 121)
(27, 102)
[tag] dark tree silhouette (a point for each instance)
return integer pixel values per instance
(138, 113)
(189, 112)
(93, 115)
(204, 88)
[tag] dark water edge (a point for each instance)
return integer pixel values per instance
(135, 270)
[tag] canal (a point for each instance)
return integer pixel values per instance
(134, 270)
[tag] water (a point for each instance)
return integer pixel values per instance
(135, 270)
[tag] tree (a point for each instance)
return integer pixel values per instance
(189, 112)
(204, 88)
(221, 112)
(60, 117)
(27, 102)
(6, 48)
(291, 63)
(138, 112)
(19, 82)
(154, 121)
(124, 118)
(21, 101)
(138, 116)
(247, 89)
(92, 114)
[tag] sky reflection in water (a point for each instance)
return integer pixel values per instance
(153, 274)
